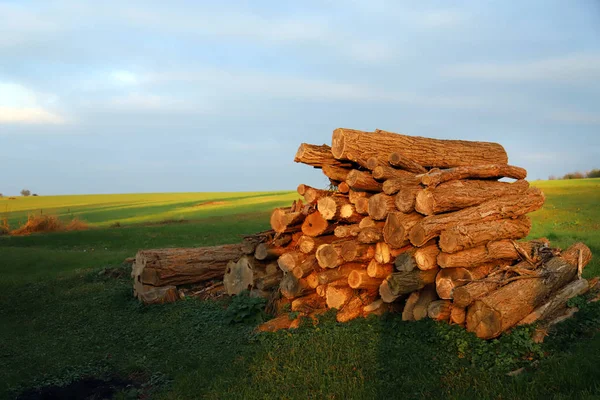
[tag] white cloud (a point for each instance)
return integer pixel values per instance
(20, 105)
(580, 68)
(125, 77)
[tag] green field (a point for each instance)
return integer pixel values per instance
(63, 321)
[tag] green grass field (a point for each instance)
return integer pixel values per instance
(62, 320)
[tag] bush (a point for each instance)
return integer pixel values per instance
(25, 192)
(595, 173)
(48, 223)
(574, 175)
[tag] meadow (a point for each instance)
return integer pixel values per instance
(64, 319)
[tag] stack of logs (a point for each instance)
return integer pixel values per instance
(413, 224)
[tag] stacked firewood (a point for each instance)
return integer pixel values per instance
(413, 224)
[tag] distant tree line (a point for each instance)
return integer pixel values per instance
(595, 173)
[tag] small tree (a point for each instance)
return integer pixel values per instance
(595, 173)
(25, 192)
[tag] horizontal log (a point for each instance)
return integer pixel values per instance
(317, 156)
(397, 228)
(407, 282)
(348, 144)
(362, 180)
(380, 205)
(483, 171)
(400, 161)
(385, 172)
(335, 173)
(395, 185)
(498, 250)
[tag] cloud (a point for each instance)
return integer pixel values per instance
(574, 68)
(125, 77)
(20, 105)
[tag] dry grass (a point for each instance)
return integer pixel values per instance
(48, 223)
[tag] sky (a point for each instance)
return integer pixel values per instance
(190, 96)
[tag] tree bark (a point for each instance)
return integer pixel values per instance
(346, 231)
(494, 209)
(386, 293)
(493, 251)
(406, 199)
(378, 270)
(357, 252)
(290, 260)
(360, 279)
(397, 227)
(348, 144)
(276, 324)
(282, 220)
(331, 275)
(354, 195)
(426, 297)
(180, 266)
(292, 287)
(306, 266)
(312, 195)
(557, 302)
(395, 185)
(354, 308)
(308, 244)
(308, 303)
(439, 310)
(335, 173)
(400, 161)
(362, 206)
(385, 172)
(461, 237)
(268, 251)
(456, 195)
(362, 180)
(380, 205)
(458, 315)
(407, 282)
(447, 280)
(483, 171)
(489, 316)
(409, 306)
(315, 225)
(317, 156)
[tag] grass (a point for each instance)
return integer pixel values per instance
(62, 320)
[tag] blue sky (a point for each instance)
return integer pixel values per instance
(156, 96)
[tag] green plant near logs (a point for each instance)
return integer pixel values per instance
(246, 309)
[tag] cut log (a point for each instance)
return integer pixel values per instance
(426, 257)
(360, 279)
(354, 195)
(368, 222)
(343, 187)
(503, 207)
(461, 237)
(465, 295)
(449, 279)
(378, 270)
(330, 206)
(250, 242)
(374, 162)
(353, 251)
(276, 324)
(315, 225)
(384, 254)
(406, 262)
(397, 228)
(308, 303)
(332, 275)
(489, 316)
(348, 144)
(290, 260)
(380, 205)
(354, 308)
(312, 279)
(557, 302)
(312, 195)
(306, 266)
(301, 189)
(490, 171)
(338, 297)
(426, 297)
(317, 156)
(412, 258)
(346, 231)
(458, 315)
(155, 295)
(439, 310)
(282, 220)
(456, 195)
(180, 266)
(329, 255)
(407, 282)
(292, 287)
(308, 244)
(268, 281)
(370, 235)
(489, 252)
(362, 180)
(395, 185)
(348, 214)
(335, 173)
(405, 199)
(268, 251)
(400, 161)
(384, 172)
(362, 206)
(239, 276)
(407, 313)
(386, 294)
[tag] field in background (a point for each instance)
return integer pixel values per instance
(62, 319)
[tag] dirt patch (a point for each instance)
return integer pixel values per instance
(210, 203)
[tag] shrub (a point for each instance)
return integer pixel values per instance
(595, 173)
(25, 192)
(574, 175)
(552, 178)
(48, 223)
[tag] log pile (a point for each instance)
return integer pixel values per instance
(418, 225)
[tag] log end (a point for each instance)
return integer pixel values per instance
(484, 321)
(337, 143)
(425, 202)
